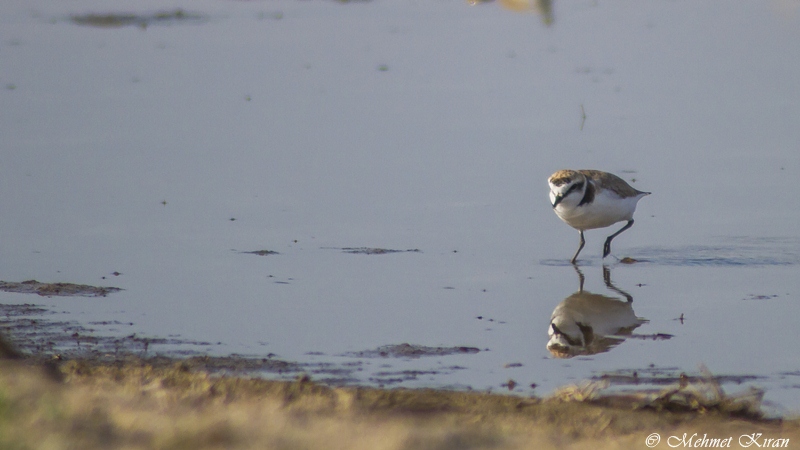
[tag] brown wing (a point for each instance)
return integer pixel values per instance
(605, 180)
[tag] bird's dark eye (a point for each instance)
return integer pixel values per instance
(576, 186)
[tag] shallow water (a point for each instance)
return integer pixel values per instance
(165, 151)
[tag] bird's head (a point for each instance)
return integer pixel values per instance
(567, 186)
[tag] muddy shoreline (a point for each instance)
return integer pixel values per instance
(169, 403)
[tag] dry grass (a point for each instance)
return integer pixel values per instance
(135, 405)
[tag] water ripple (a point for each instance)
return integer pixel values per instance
(729, 252)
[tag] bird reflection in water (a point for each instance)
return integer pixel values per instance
(586, 323)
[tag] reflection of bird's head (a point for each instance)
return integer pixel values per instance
(586, 324)
(568, 339)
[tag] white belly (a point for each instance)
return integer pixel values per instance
(606, 209)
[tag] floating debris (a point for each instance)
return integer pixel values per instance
(384, 378)
(263, 252)
(761, 296)
(411, 351)
(628, 260)
(25, 309)
(142, 20)
(56, 289)
(377, 251)
(652, 337)
(663, 377)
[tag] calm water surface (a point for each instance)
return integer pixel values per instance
(165, 151)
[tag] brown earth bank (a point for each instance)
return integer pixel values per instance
(135, 403)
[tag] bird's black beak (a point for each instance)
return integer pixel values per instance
(557, 201)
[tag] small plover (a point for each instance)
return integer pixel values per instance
(588, 199)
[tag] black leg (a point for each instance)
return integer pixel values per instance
(580, 247)
(610, 285)
(581, 278)
(607, 246)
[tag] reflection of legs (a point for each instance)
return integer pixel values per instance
(581, 278)
(610, 285)
(580, 247)
(607, 246)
